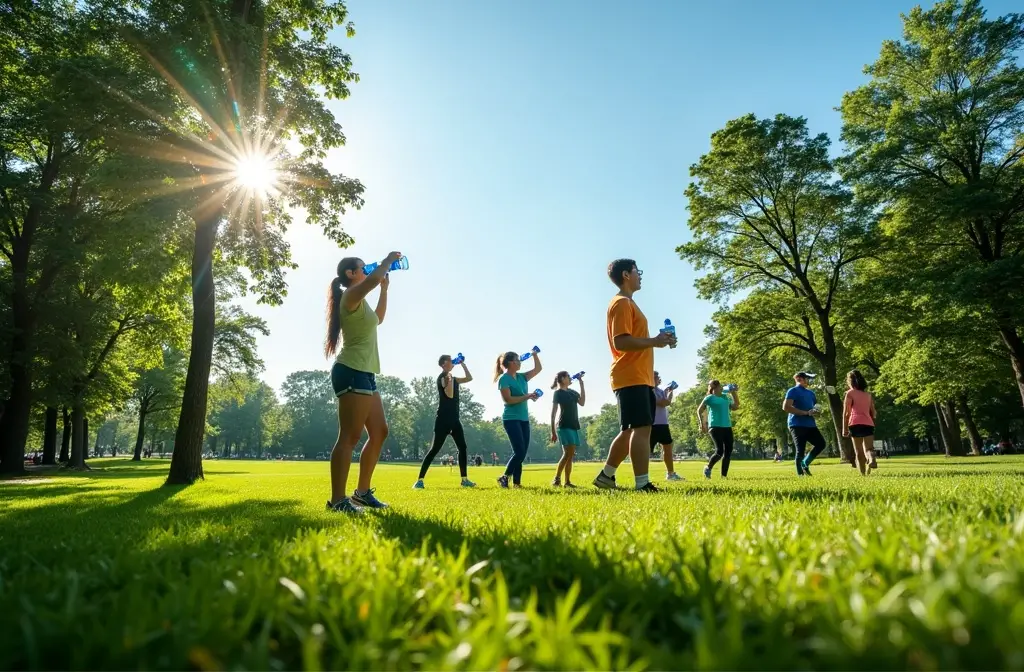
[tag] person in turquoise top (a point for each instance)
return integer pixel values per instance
(713, 413)
(353, 377)
(514, 388)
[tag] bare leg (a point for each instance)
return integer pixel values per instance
(620, 448)
(568, 453)
(353, 410)
(666, 449)
(640, 450)
(377, 432)
(561, 464)
(862, 460)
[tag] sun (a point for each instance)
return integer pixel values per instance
(256, 173)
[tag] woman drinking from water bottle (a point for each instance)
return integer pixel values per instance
(567, 432)
(859, 420)
(719, 424)
(353, 377)
(516, 416)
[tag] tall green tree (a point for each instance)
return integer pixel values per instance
(769, 219)
(936, 139)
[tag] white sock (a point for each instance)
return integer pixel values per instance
(609, 471)
(642, 480)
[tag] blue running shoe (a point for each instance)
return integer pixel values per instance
(368, 500)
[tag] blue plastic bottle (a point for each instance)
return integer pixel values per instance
(577, 376)
(523, 358)
(539, 392)
(459, 359)
(401, 264)
(673, 385)
(730, 387)
(669, 329)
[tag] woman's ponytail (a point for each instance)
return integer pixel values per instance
(333, 317)
(497, 368)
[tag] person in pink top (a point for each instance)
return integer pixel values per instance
(859, 420)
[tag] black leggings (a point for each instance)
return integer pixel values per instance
(722, 436)
(442, 428)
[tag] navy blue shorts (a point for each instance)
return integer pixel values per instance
(346, 379)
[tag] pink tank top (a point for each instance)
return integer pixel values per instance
(860, 408)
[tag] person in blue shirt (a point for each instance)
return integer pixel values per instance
(801, 404)
(516, 416)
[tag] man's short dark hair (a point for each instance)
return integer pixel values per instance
(618, 267)
(442, 359)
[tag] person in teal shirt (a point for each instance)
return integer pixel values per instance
(514, 388)
(713, 413)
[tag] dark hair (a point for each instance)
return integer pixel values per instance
(334, 292)
(855, 380)
(618, 267)
(503, 361)
(441, 360)
(558, 377)
(711, 384)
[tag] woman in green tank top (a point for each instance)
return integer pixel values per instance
(353, 377)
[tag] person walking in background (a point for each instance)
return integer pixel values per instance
(353, 377)
(514, 388)
(632, 377)
(660, 432)
(567, 432)
(802, 407)
(715, 419)
(447, 422)
(859, 420)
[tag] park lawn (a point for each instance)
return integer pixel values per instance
(918, 566)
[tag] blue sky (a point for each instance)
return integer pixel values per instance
(511, 150)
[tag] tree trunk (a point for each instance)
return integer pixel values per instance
(50, 436)
(140, 437)
(85, 438)
(14, 423)
(1015, 345)
(77, 436)
(65, 439)
(187, 458)
(947, 442)
(835, 404)
(953, 423)
(972, 427)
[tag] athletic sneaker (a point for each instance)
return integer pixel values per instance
(604, 481)
(418, 485)
(367, 499)
(673, 476)
(874, 463)
(707, 473)
(557, 483)
(650, 487)
(344, 506)
(807, 470)
(570, 485)
(503, 481)
(466, 483)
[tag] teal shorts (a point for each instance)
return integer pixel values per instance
(568, 437)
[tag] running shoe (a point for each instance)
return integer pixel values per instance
(570, 485)
(650, 487)
(557, 483)
(368, 500)
(418, 485)
(707, 473)
(466, 483)
(673, 476)
(807, 470)
(503, 481)
(604, 481)
(344, 506)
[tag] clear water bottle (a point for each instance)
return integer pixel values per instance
(673, 385)
(459, 359)
(816, 410)
(401, 264)
(730, 387)
(669, 329)
(577, 376)
(539, 392)
(535, 350)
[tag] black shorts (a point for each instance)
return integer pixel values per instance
(862, 431)
(636, 406)
(345, 379)
(660, 434)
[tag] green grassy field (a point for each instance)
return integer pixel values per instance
(918, 566)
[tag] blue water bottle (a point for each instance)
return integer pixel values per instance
(539, 392)
(400, 264)
(730, 387)
(669, 329)
(673, 385)
(523, 358)
(577, 376)
(459, 359)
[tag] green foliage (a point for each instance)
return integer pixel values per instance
(248, 571)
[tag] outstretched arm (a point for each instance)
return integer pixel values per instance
(537, 366)
(353, 295)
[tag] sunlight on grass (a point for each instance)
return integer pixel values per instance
(919, 566)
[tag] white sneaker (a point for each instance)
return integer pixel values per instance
(673, 476)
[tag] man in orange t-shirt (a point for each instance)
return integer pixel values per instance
(632, 377)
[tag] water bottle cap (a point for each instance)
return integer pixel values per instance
(668, 323)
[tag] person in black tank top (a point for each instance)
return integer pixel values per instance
(447, 421)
